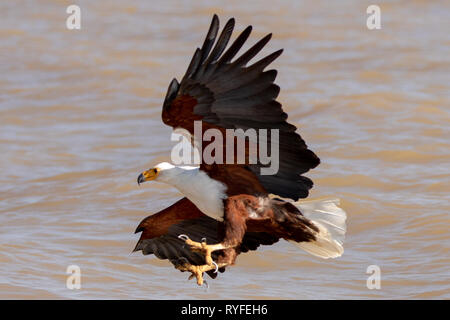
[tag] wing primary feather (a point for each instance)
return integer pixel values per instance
(171, 93)
(236, 46)
(222, 42)
(253, 51)
(193, 66)
(210, 38)
(264, 62)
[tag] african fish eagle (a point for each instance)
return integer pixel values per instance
(232, 208)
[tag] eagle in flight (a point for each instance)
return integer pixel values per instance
(230, 208)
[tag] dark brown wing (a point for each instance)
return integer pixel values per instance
(160, 234)
(228, 94)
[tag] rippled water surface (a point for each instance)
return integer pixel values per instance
(80, 119)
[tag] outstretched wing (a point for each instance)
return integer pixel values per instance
(160, 234)
(228, 94)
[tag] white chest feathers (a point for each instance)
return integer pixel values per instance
(206, 193)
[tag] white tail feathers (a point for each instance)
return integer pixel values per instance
(330, 219)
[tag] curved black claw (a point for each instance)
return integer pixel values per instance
(217, 267)
(183, 237)
(140, 179)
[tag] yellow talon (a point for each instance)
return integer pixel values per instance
(197, 271)
(200, 247)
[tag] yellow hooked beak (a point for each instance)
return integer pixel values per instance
(148, 175)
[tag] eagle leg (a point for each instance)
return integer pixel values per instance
(197, 271)
(207, 249)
